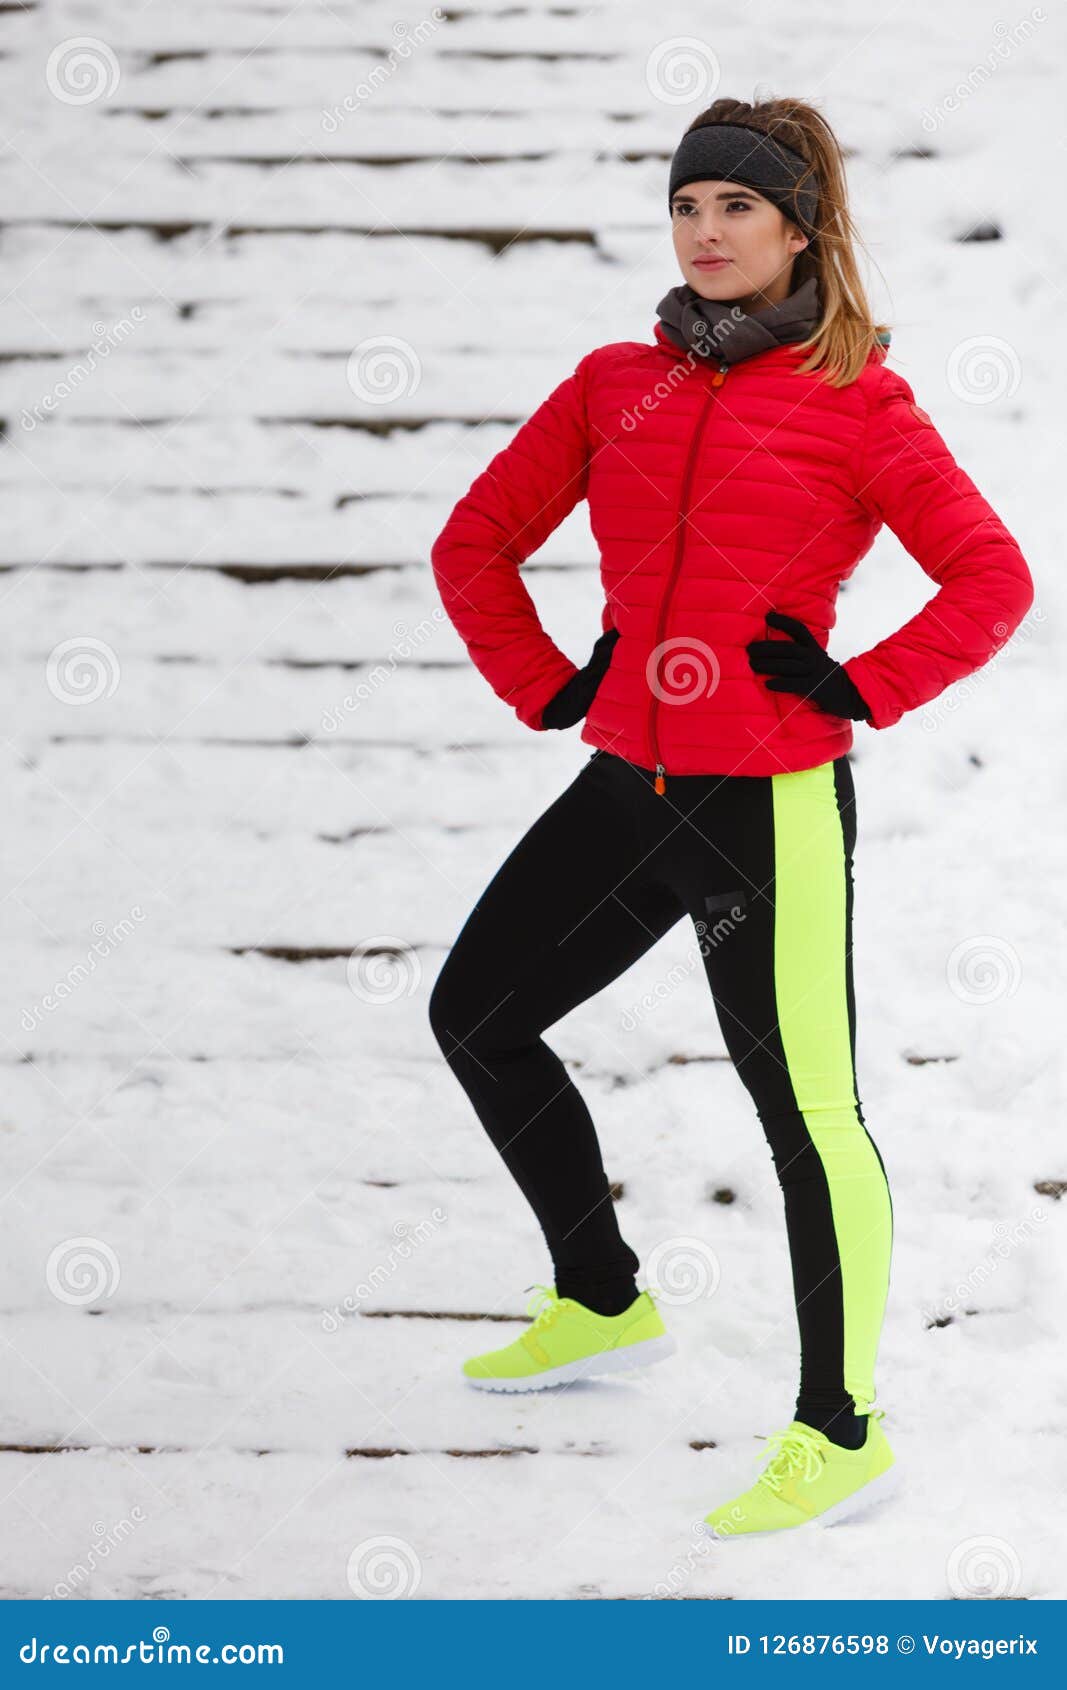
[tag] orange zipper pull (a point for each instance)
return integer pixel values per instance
(661, 779)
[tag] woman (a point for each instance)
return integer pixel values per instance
(736, 470)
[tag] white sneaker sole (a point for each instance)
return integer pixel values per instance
(626, 1360)
(887, 1484)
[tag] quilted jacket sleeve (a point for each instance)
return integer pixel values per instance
(511, 508)
(909, 479)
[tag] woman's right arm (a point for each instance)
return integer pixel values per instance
(909, 479)
(524, 493)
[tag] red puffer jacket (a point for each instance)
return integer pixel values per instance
(717, 493)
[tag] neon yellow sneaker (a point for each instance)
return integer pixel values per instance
(567, 1341)
(808, 1477)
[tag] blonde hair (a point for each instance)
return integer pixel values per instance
(842, 342)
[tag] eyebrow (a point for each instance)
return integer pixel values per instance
(724, 194)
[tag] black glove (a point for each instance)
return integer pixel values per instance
(572, 701)
(802, 666)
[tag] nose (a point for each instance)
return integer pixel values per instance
(707, 232)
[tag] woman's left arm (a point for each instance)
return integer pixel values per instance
(910, 480)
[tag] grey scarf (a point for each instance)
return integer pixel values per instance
(724, 334)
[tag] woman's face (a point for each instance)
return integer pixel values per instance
(729, 221)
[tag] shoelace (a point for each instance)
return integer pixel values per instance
(543, 1306)
(793, 1451)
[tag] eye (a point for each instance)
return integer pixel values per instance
(744, 204)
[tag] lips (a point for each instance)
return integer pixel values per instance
(710, 263)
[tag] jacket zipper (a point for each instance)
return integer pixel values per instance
(716, 381)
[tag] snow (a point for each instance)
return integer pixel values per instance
(286, 1199)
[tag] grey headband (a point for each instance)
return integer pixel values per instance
(730, 152)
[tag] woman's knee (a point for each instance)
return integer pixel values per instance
(457, 1013)
(480, 1020)
(444, 1010)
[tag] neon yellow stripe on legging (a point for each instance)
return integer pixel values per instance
(812, 1009)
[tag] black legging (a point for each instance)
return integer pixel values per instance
(763, 866)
